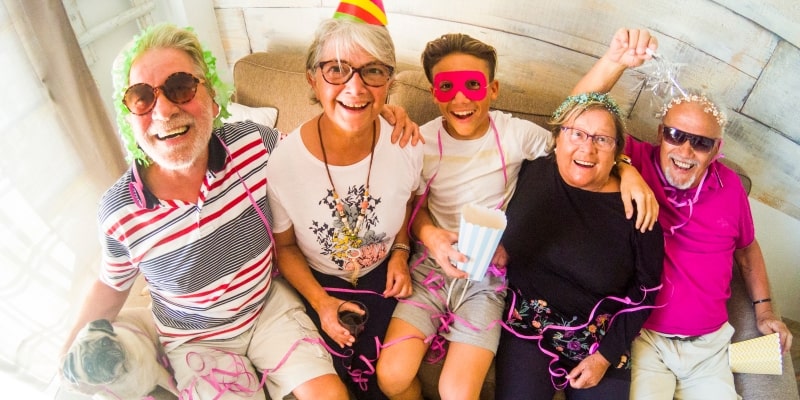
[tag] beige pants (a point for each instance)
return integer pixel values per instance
(665, 368)
(204, 369)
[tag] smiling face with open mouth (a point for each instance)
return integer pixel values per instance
(173, 135)
(466, 114)
(353, 106)
(683, 166)
(583, 163)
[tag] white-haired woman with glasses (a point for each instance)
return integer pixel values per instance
(581, 277)
(340, 195)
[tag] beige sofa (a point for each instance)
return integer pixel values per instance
(278, 80)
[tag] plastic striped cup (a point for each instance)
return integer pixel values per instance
(478, 236)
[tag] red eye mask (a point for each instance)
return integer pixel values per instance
(472, 84)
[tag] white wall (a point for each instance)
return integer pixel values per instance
(100, 54)
(779, 237)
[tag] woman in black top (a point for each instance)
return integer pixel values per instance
(580, 275)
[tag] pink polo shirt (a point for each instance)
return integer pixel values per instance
(701, 232)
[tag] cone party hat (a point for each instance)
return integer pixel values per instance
(366, 11)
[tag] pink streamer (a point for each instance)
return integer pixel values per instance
(557, 373)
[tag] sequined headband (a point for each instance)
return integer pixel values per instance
(585, 98)
(708, 106)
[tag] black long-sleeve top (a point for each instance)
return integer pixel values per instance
(573, 247)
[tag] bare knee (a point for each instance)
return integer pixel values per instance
(394, 378)
(464, 371)
(453, 388)
(325, 387)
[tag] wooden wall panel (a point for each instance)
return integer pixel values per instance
(743, 54)
(779, 16)
(274, 28)
(770, 159)
(774, 97)
(218, 4)
(585, 26)
(233, 34)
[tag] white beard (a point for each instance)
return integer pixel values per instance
(678, 185)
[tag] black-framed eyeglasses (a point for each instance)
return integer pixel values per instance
(375, 74)
(677, 137)
(579, 137)
(178, 88)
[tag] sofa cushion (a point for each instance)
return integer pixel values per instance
(261, 115)
(275, 80)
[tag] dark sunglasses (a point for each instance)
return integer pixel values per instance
(179, 88)
(676, 137)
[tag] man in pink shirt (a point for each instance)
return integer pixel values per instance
(683, 348)
(682, 351)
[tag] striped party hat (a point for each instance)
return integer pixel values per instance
(366, 11)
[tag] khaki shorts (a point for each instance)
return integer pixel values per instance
(275, 342)
(664, 367)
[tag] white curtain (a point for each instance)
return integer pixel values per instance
(59, 153)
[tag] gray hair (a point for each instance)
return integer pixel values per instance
(348, 37)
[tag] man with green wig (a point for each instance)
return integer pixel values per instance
(191, 214)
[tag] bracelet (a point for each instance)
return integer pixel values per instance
(401, 247)
(767, 300)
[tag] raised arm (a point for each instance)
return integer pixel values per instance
(628, 49)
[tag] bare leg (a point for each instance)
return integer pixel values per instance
(464, 371)
(325, 387)
(398, 364)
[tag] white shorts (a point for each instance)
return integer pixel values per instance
(274, 344)
(664, 367)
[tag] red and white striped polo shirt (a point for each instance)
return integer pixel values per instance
(208, 265)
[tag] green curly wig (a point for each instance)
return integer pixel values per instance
(163, 36)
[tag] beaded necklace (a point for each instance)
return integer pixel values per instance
(351, 234)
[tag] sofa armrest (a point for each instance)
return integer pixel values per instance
(742, 316)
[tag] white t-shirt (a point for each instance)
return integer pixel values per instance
(300, 195)
(471, 171)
